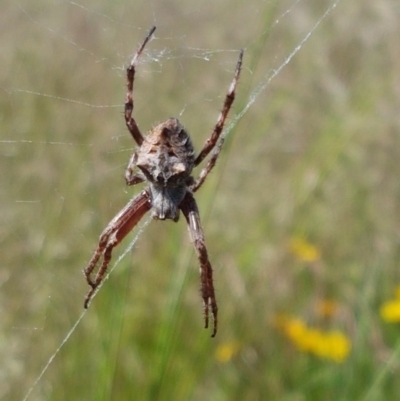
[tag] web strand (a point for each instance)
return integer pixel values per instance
(270, 76)
(73, 328)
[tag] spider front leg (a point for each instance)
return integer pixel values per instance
(130, 177)
(114, 233)
(212, 141)
(130, 78)
(229, 98)
(191, 212)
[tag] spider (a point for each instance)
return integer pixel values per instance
(164, 159)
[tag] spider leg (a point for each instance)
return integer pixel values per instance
(230, 97)
(130, 76)
(191, 212)
(135, 178)
(130, 178)
(209, 166)
(114, 233)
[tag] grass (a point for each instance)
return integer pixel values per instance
(313, 162)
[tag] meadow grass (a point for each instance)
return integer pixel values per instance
(301, 213)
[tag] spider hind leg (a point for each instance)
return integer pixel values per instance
(191, 212)
(118, 228)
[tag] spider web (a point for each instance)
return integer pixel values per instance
(179, 50)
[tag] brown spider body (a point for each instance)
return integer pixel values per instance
(164, 159)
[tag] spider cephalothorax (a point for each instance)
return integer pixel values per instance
(164, 159)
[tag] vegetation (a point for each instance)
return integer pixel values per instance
(301, 213)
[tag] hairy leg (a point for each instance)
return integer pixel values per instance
(230, 97)
(191, 212)
(130, 78)
(114, 233)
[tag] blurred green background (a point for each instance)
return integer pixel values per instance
(301, 214)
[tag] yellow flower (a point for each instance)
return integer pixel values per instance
(295, 329)
(390, 311)
(311, 341)
(338, 345)
(225, 352)
(305, 251)
(333, 345)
